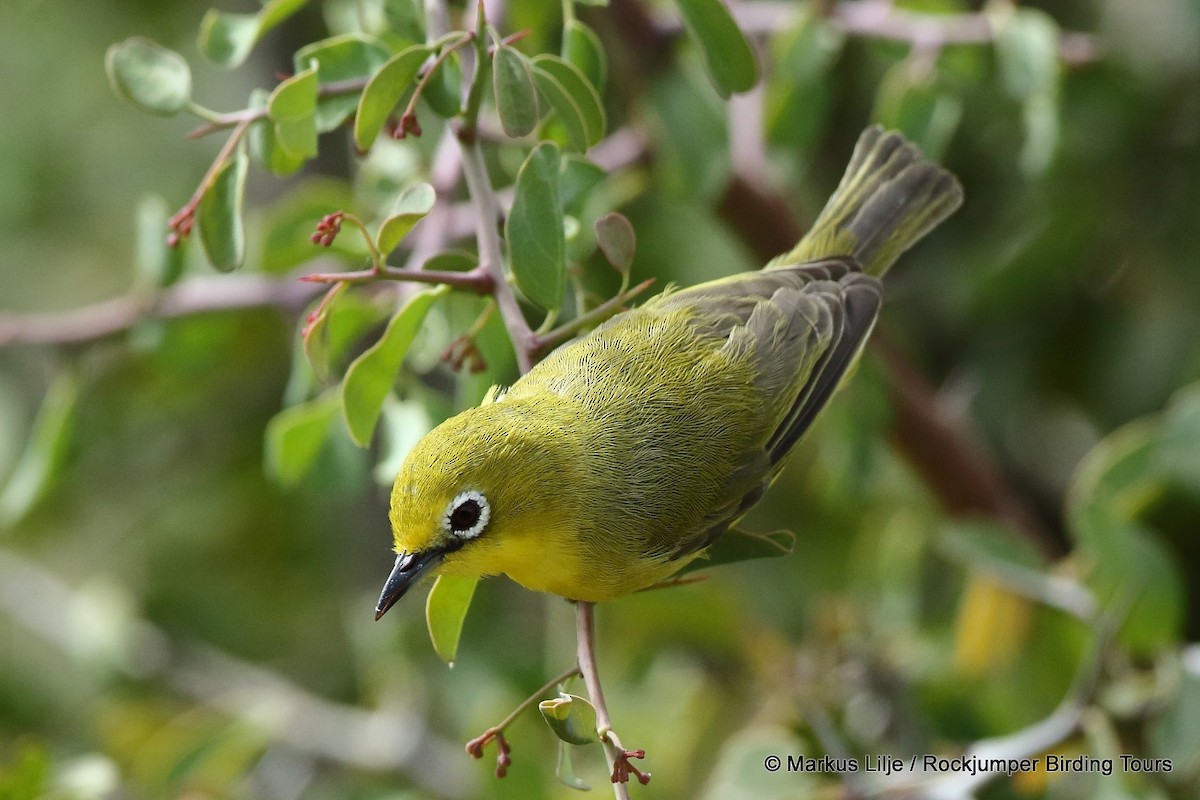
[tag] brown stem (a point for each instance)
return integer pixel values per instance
(477, 280)
(585, 639)
(193, 296)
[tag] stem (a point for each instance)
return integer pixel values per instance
(528, 701)
(599, 313)
(491, 258)
(410, 110)
(217, 122)
(585, 637)
(477, 280)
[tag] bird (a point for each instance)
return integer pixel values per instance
(626, 453)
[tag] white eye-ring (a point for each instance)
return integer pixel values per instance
(467, 515)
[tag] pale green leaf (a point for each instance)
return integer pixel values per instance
(516, 98)
(566, 110)
(727, 55)
(572, 718)
(341, 58)
(445, 611)
(384, 91)
(149, 75)
(410, 208)
(915, 105)
(371, 375)
(292, 107)
(158, 264)
(582, 93)
(581, 47)
(295, 436)
(45, 451)
(265, 150)
(219, 215)
(227, 39)
(534, 229)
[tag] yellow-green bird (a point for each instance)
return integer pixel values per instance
(624, 454)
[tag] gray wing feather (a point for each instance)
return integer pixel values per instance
(802, 326)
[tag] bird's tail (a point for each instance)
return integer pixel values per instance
(890, 196)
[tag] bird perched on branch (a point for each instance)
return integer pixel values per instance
(625, 454)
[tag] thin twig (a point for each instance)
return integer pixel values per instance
(553, 338)
(585, 640)
(212, 293)
(248, 115)
(476, 745)
(477, 280)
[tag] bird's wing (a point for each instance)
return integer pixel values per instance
(801, 327)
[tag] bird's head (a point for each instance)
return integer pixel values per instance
(473, 498)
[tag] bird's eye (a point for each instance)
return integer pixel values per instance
(467, 515)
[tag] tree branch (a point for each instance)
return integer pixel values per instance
(193, 296)
(586, 648)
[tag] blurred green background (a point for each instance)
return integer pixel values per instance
(174, 623)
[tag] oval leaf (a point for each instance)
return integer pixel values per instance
(446, 610)
(581, 47)
(265, 150)
(411, 207)
(219, 215)
(727, 54)
(583, 95)
(341, 58)
(371, 375)
(158, 264)
(227, 39)
(149, 75)
(383, 91)
(617, 241)
(572, 718)
(292, 107)
(294, 438)
(534, 229)
(516, 98)
(44, 453)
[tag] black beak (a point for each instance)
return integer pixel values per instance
(409, 567)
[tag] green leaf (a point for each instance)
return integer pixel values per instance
(384, 91)
(149, 75)
(341, 58)
(516, 98)
(292, 107)
(737, 545)
(1134, 572)
(572, 718)
(371, 375)
(582, 94)
(578, 177)
(294, 438)
(265, 150)
(445, 611)
(534, 229)
(566, 110)
(564, 770)
(727, 55)
(443, 89)
(411, 207)
(1174, 733)
(45, 451)
(158, 264)
(581, 47)
(798, 93)
(227, 39)
(617, 241)
(219, 215)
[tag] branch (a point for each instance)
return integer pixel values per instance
(247, 115)
(193, 296)
(585, 638)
